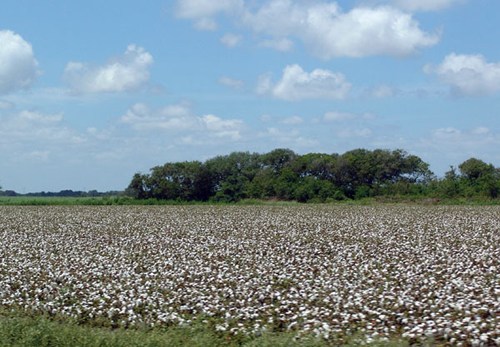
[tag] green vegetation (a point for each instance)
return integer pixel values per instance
(316, 177)
(21, 330)
(248, 275)
(359, 176)
(20, 200)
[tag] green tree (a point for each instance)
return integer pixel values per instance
(480, 178)
(277, 159)
(473, 169)
(138, 188)
(316, 190)
(317, 165)
(233, 173)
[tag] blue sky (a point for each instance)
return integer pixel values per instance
(92, 92)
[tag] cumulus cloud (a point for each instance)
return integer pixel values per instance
(36, 117)
(282, 44)
(204, 11)
(382, 91)
(329, 32)
(18, 66)
(288, 138)
(230, 40)
(338, 116)
(231, 82)
(297, 84)
(349, 133)
(481, 131)
(293, 120)
(26, 127)
(229, 129)
(179, 119)
(446, 133)
(461, 144)
(425, 5)
(173, 117)
(126, 73)
(322, 26)
(468, 74)
(5, 105)
(38, 155)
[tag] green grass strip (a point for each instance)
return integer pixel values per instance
(18, 330)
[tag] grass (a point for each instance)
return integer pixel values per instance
(124, 200)
(21, 330)
(49, 201)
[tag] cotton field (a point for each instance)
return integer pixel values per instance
(333, 271)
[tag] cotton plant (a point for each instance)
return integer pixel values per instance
(333, 271)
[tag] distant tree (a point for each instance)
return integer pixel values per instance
(262, 185)
(283, 174)
(480, 178)
(277, 159)
(473, 169)
(285, 184)
(237, 170)
(138, 188)
(317, 165)
(317, 190)
(181, 180)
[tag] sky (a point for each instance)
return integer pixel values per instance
(92, 92)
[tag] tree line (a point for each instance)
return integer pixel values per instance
(314, 177)
(66, 193)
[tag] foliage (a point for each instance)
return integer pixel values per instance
(282, 175)
(21, 330)
(475, 179)
(314, 177)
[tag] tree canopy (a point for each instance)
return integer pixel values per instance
(285, 175)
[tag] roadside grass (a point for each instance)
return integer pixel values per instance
(21, 330)
(124, 200)
(59, 201)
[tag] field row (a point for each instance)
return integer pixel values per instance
(416, 272)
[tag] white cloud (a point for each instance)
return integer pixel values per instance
(27, 127)
(468, 74)
(322, 26)
(5, 105)
(458, 145)
(173, 117)
(446, 133)
(296, 84)
(265, 118)
(425, 5)
(382, 91)
(481, 131)
(293, 120)
(338, 116)
(282, 44)
(329, 32)
(18, 66)
(349, 133)
(38, 156)
(128, 72)
(180, 120)
(287, 138)
(231, 82)
(222, 128)
(204, 11)
(36, 117)
(230, 40)
(463, 137)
